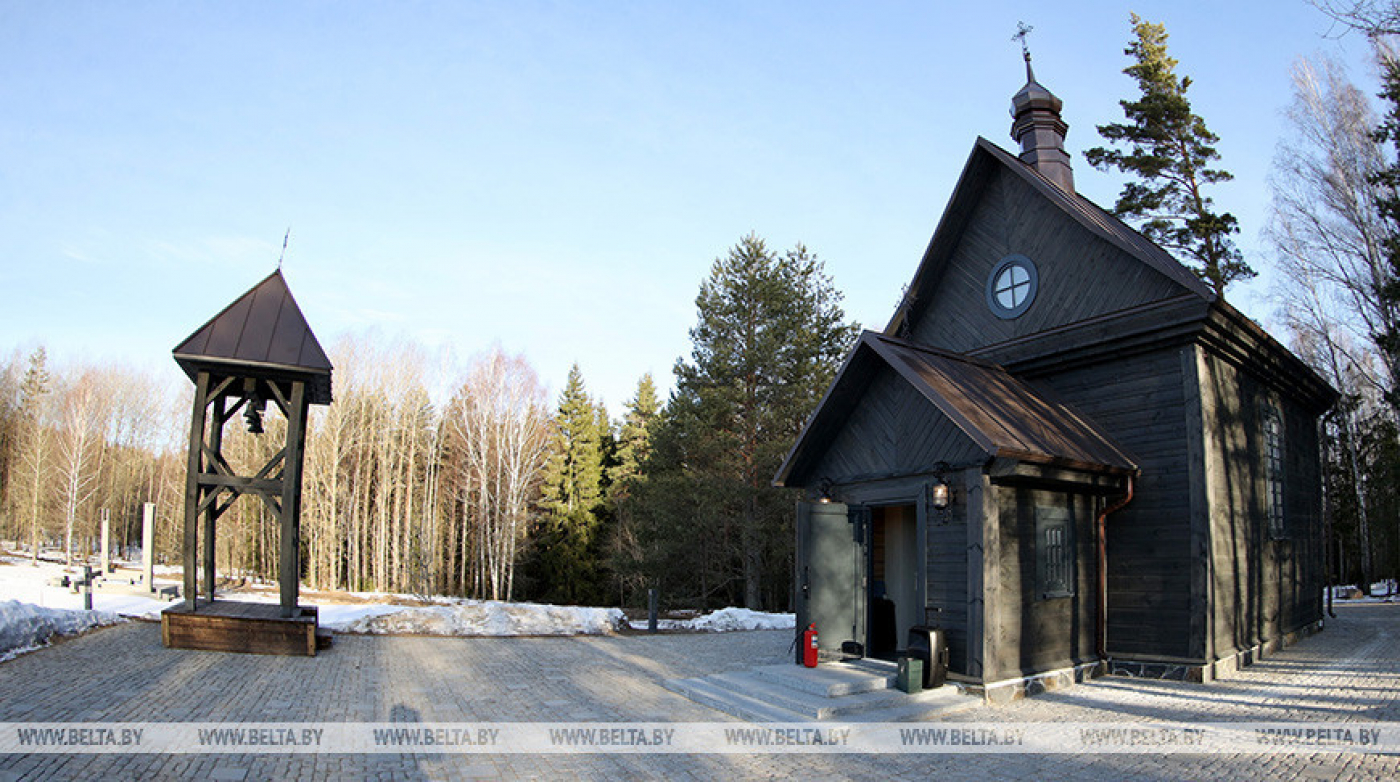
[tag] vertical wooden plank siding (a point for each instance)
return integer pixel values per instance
(983, 593)
(1271, 582)
(946, 556)
(1141, 400)
(194, 466)
(1035, 632)
(1303, 504)
(1202, 463)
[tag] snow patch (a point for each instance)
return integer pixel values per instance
(726, 620)
(25, 627)
(28, 582)
(729, 619)
(477, 617)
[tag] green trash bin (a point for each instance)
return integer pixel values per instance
(911, 674)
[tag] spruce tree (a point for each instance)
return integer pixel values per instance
(564, 566)
(32, 442)
(1169, 150)
(633, 439)
(631, 451)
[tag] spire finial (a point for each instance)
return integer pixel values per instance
(1023, 30)
(285, 238)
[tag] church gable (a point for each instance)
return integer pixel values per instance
(1078, 262)
(900, 409)
(893, 431)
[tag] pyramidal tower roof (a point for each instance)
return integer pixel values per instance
(262, 333)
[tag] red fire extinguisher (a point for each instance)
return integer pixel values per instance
(809, 646)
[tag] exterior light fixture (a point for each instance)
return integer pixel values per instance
(942, 495)
(826, 491)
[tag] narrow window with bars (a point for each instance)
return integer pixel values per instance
(1054, 549)
(1273, 472)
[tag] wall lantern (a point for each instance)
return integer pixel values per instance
(940, 494)
(825, 485)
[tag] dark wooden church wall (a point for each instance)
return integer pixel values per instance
(1303, 503)
(1034, 633)
(895, 431)
(1141, 400)
(945, 583)
(1263, 586)
(1081, 276)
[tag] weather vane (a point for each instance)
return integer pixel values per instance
(1023, 30)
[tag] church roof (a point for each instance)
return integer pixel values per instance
(1002, 415)
(262, 333)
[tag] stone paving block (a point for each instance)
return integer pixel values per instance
(1349, 672)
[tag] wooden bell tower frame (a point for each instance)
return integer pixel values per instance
(211, 486)
(258, 350)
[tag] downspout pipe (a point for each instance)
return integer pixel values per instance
(1101, 591)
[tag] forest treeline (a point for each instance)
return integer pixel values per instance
(494, 490)
(491, 490)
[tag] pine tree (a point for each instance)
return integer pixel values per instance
(769, 334)
(1169, 150)
(564, 568)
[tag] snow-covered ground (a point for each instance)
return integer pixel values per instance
(1381, 592)
(32, 610)
(724, 620)
(22, 581)
(483, 617)
(25, 627)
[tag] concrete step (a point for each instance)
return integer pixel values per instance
(717, 696)
(850, 706)
(788, 694)
(832, 680)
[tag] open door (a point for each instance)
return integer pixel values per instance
(830, 572)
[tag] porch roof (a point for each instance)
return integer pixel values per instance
(1002, 415)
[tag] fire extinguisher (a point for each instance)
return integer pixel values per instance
(809, 646)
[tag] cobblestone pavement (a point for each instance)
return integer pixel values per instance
(1349, 672)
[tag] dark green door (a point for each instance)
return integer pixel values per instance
(830, 572)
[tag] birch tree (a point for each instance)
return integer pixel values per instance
(1331, 237)
(80, 451)
(499, 428)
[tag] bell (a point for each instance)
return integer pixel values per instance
(253, 415)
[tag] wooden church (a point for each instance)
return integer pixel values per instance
(1064, 450)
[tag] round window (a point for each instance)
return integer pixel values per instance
(1011, 286)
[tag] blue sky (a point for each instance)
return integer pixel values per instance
(553, 177)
